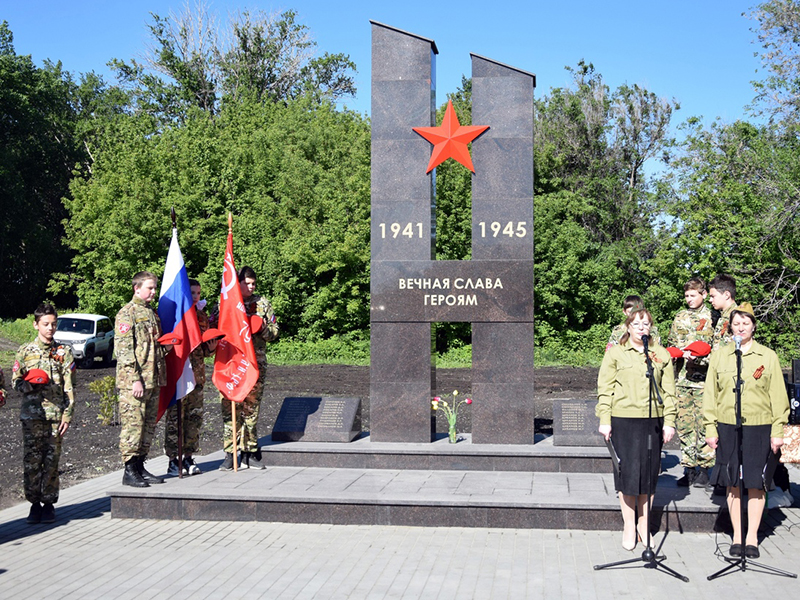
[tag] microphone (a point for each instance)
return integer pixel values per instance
(645, 340)
(737, 339)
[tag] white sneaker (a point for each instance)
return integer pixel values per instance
(190, 467)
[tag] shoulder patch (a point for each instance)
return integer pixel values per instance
(124, 328)
(15, 368)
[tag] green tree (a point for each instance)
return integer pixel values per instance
(39, 148)
(296, 177)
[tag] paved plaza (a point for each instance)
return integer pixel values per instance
(87, 554)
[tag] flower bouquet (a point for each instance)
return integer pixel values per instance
(450, 411)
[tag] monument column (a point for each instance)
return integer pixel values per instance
(502, 230)
(402, 229)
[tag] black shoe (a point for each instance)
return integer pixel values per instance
(701, 480)
(132, 476)
(48, 513)
(190, 467)
(147, 475)
(227, 464)
(35, 515)
(751, 552)
(688, 478)
(255, 461)
(736, 550)
(174, 470)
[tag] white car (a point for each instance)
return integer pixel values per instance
(89, 336)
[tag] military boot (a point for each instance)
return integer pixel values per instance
(227, 464)
(146, 475)
(48, 513)
(701, 480)
(689, 475)
(35, 514)
(132, 477)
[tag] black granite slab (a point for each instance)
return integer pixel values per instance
(318, 419)
(575, 424)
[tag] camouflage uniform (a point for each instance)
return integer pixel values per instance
(722, 330)
(620, 330)
(44, 407)
(139, 358)
(247, 410)
(2, 388)
(191, 405)
(691, 325)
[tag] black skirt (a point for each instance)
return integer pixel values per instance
(629, 437)
(755, 451)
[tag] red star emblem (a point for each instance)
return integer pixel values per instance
(450, 139)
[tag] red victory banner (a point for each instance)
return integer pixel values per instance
(235, 366)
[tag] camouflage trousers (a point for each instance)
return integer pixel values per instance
(191, 425)
(138, 419)
(689, 426)
(41, 453)
(246, 418)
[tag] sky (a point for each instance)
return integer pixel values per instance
(699, 52)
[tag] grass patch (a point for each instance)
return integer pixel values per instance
(339, 350)
(18, 331)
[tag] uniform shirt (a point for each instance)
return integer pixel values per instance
(722, 331)
(764, 398)
(139, 355)
(691, 325)
(620, 330)
(50, 401)
(623, 389)
(258, 305)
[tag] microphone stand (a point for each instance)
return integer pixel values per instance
(649, 557)
(741, 563)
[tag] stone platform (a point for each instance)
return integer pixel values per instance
(345, 490)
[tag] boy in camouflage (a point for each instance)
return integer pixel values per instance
(192, 404)
(722, 293)
(141, 371)
(629, 304)
(46, 411)
(690, 325)
(247, 412)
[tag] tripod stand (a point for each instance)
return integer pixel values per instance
(743, 563)
(649, 557)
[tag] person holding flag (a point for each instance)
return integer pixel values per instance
(187, 440)
(247, 322)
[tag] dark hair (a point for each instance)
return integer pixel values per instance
(45, 308)
(696, 284)
(141, 277)
(631, 302)
(194, 282)
(724, 283)
(642, 312)
(246, 273)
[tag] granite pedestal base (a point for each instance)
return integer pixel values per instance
(420, 496)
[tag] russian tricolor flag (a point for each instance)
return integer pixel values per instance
(177, 316)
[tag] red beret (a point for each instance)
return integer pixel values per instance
(170, 339)
(212, 334)
(36, 376)
(674, 352)
(256, 323)
(699, 348)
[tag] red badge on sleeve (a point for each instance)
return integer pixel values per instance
(15, 368)
(124, 328)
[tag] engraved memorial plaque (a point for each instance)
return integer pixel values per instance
(575, 424)
(318, 419)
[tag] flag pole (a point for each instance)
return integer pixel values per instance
(179, 404)
(235, 432)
